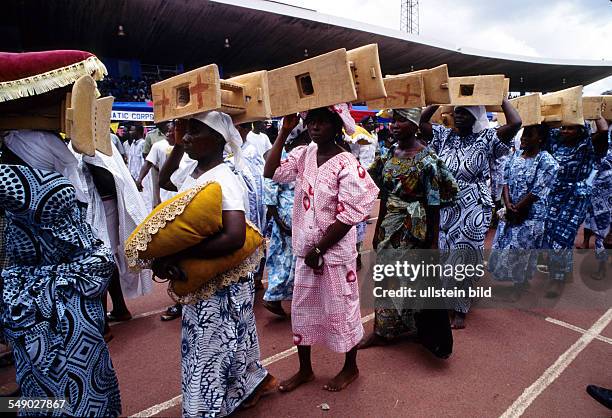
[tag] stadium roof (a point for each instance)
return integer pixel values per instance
(262, 35)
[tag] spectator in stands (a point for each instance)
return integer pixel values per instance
(126, 89)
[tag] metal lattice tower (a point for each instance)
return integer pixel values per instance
(409, 17)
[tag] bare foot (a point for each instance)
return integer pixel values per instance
(296, 380)
(600, 274)
(266, 387)
(9, 389)
(342, 379)
(372, 340)
(458, 321)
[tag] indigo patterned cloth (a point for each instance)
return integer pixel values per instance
(513, 256)
(53, 314)
(569, 200)
(281, 261)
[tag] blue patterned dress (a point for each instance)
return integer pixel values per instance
(599, 214)
(513, 257)
(281, 261)
(569, 200)
(464, 225)
(53, 314)
(255, 164)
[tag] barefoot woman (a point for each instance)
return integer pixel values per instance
(333, 192)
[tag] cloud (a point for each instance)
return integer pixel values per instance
(578, 29)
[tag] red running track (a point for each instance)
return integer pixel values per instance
(497, 357)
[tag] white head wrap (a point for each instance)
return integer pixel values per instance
(45, 151)
(223, 124)
(480, 114)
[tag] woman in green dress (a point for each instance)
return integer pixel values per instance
(414, 183)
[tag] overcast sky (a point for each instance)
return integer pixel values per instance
(576, 29)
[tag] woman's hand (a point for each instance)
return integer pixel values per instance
(167, 268)
(273, 212)
(285, 229)
(314, 260)
(290, 122)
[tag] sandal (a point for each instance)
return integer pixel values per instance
(275, 309)
(112, 317)
(173, 312)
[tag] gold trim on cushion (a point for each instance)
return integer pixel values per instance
(143, 236)
(234, 275)
(54, 79)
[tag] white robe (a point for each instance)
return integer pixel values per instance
(135, 163)
(131, 212)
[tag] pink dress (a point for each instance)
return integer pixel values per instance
(325, 307)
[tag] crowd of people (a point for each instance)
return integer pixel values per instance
(128, 89)
(312, 190)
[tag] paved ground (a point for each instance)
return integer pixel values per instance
(505, 363)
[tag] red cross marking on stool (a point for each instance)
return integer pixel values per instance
(198, 89)
(405, 95)
(164, 102)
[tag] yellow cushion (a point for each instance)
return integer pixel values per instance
(177, 224)
(200, 271)
(182, 222)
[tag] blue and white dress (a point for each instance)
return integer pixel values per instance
(52, 310)
(599, 214)
(219, 347)
(281, 261)
(464, 225)
(513, 257)
(569, 200)
(255, 164)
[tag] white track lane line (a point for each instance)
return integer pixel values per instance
(156, 409)
(577, 329)
(550, 375)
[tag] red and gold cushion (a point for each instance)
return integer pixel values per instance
(34, 73)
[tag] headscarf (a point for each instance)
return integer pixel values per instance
(367, 119)
(43, 150)
(223, 124)
(343, 110)
(412, 114)
(480, 114)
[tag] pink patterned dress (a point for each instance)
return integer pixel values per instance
(325, 307)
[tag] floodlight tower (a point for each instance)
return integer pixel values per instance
(409, 17)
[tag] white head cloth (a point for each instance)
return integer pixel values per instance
(480, 114)
(45, 151)
(223, 124)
